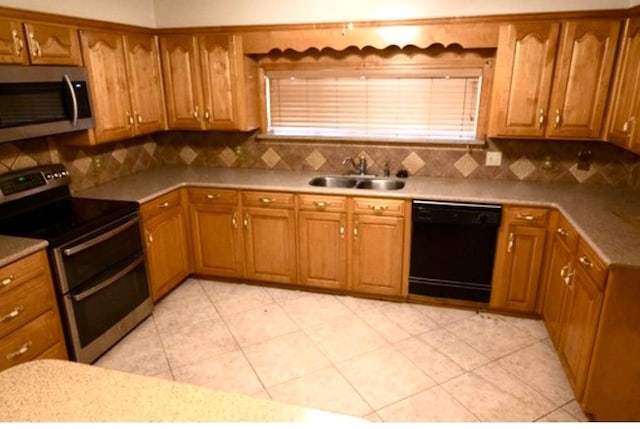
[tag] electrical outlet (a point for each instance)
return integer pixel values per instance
(97, 162)
(494, 159)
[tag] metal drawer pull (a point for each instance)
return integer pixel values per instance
(556, 124)
(563, 271)
(356, 232)
(207, 115)
(129, 118)
(108, 282)
(234, 221)
(585, 261)
(196, 113)
(99, 239)
(213, 196)
(12, 314)
(139, 118)
(541, 118)
(267, 200)
(563, 232)
(163, 205)
(245, 222)
(7, 280)
(321, 204)
(378, 208)
(22, 350)
(511, 241)
(526, 217)
(341, 231)
(567, 280)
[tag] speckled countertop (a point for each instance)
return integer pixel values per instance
(14, 248)
(61, 391)
(608, 218)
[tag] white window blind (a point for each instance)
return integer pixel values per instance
(430, 105)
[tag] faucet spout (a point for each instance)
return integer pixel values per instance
(360, 168)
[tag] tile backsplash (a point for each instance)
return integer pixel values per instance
(547, 161)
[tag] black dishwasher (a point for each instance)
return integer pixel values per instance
(453, 249)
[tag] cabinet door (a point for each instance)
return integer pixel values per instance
(145, 83)
(183, 92)
(323, 249)
(581, 315)
(378, 246)
(167, 251)
(216, 240)
(13, 49)
(105, 60)
(522, 82)
(270, 244)
(218, 67)
(558, 275)
(53, 44)
(520, 250)
(583, 73)
(625, 110)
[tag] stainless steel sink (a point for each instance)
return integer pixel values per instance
(378, 184)
(333, 182)
(381, 184)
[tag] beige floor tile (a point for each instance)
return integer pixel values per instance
(558, 415)
(409, 316)
(262, 394)
(435, 364)
(573, 408)
(373, 417)
(539, 366)
(281, 295)
(137, 355)
(533, 327)
(284, 358)
(176, 314)
(358, 305)
(431, 405)
(454, 348)
(443, 315)
(384, 376)
(260, 324)
(190, 288)
(326, 389)
(491, 335)
(229, 372)
(165, 375)
(217, 290)
(146, 328)
(314, 309)
(383, 325)
(355, 338)
(193, 343)
(493, 394)
(245, 298)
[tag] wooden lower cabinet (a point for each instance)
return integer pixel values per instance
(167, 246)
(519, 259)
(560, 264)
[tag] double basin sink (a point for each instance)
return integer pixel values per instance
(378, 184)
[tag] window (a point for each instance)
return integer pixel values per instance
(412, 104)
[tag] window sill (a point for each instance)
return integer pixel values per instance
(389, 141)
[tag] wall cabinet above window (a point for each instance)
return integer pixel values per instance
(552, 79)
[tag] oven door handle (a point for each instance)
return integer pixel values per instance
(99, 239)
(103, 284)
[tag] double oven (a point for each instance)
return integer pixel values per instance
(95, 252)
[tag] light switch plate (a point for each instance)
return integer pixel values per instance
(494, 159)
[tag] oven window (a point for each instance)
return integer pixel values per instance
(95, 313)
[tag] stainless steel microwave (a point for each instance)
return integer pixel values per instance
(43, 100)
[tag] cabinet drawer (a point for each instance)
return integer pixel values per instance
(19, 305)
(213, 196)
(160, 205)
(566, 233)
(29, 341)
(531, 216)
(267, 199)
(324, 203)
(57, 351)
(378, 206)
(591, 263)
(15, 274)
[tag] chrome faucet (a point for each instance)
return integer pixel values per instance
(360, 168)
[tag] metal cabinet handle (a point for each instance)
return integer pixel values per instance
(207, 115)
(22, 350)
(139, 118)
(321, 204)
(627, 128)
(17, 43)
(563, 232)
(7, 280)
(356, 231)
(585, 261)
(568, 280)
(526, 217)
(564, 270)
(12, 314)
(129, 118)
(234, 221)
(213, 196)
(378, 209)
(245, 221)
(511, 242)
(556, 123)
(341, 230)
(267, 200)
(541, 118)
(163, 205)
(196, 113)
(149, 238)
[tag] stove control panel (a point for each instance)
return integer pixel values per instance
(30, 181)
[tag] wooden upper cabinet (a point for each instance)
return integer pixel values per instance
(523, 76)
(183, 92)
(145, 83)
(53, 44)
(583, 73)
(550, 83)
(218, 80)
(625, 105)
(38, 43)
(104, 56)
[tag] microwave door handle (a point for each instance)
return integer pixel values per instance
(74, 100)
(97, 288)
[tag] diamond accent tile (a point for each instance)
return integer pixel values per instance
(150, 147)
(522, 167)
(315, 159)
(228, 156)
(188, 155)
(581, 175)
(271, 157)
(413, 163)
(82, 163)
(23, 161)
(120, 154)
(466, 164)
